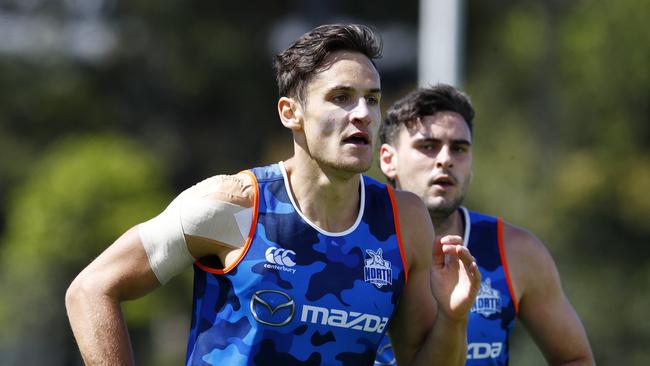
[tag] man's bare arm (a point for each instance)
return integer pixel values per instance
(124, 270)
(543, 307)
(121, 272)
(430, 327)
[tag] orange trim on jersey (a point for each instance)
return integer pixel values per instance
(502, 253)
(251, 232)
(398, 233)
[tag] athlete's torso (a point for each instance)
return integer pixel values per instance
(492, 315)
(300, 295)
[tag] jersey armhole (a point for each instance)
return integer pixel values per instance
(249, 239)
(502, 253)
(398, 233)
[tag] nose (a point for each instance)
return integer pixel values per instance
(444, 158)
(361, 112)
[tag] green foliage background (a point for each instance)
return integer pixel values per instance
(92, 147)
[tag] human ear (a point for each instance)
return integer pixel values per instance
(388, 161)
(290, 112)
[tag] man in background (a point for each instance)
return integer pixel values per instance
(427, 149)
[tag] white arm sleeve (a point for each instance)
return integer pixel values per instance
(194, 212)
(224, 222)
(164, 242)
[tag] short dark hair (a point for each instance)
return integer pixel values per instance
(295, 66)
(425, 102)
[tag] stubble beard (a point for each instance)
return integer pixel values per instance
(352, 168)
(348, 168)
(441, 208)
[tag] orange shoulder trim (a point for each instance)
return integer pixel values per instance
(251, 232)
(398, 233)
(504, 262)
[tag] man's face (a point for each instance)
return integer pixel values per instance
(341, 112)
(432, 159)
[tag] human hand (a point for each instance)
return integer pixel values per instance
(455, 277)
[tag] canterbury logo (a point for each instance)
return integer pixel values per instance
(282, 257)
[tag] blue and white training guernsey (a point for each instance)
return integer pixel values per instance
(299, 295)
(493, 313)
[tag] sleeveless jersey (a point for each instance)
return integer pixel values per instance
(493, 313)
(299, 295)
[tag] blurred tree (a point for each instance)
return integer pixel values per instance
(562, 148)
(80, 196)
(190, 80)
(561, 142)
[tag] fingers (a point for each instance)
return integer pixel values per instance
(474, 275)
(439, 247)
(459, 251)
(453, 245)
(451, 240)
(469, 263)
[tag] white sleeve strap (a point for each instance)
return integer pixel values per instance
(164, 242)
(163, 237)
(217, 220)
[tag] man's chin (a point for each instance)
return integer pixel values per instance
(351, 167)
(356, 169)
(355, 165)
(441, 207)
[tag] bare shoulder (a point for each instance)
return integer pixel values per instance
(543, 307)
(409, 204)
(529, 261)
(238, 189)
(415, 225)
(522, 245)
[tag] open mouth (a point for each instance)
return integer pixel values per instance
(358, 139)
(443, 181)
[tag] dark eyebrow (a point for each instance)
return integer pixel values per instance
(453, 142)
(461, 142)
(349, 88)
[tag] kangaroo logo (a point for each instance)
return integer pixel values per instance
(377, 270)
(488, 300)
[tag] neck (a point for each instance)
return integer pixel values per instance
(448, 225)
(330, 200)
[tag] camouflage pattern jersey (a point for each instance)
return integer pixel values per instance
(299, 295)
(493, 313)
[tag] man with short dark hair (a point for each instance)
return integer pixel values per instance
(304, 262)
(426, 148)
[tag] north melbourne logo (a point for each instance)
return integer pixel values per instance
(377, 270)
(280, 259)
(488, 300)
